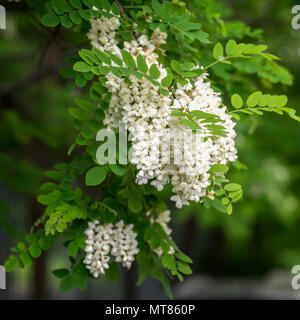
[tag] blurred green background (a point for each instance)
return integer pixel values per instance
(261, 237)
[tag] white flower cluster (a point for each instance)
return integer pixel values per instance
(102, 34)
(164, 151)
(107, 243)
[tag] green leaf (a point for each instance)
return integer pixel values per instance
(156, 7)
(81, 66)
(102, 56)
(66, 21)
(164, 92)
(135, 203)
(216, 130)
(186, 66)
(178, 113)
(72, 248)
(100, 115)
(225, 201)
(167, 288)
(190, 123)
(202, 115)
(141, 63)
(154, 72)
(254, 99)
(89, 3)
(117, 169)
(189, 74)
(11, 263)
(219, 168)
(85, 14)
(167, 81)
(66, 284)
(282, 101)
(115, 59)
(46, 242)
(155, 241)
(21, 246)
(35, 250)
(183, 257)
(80, 241)
(106, 5)
(48, 186)
(218, 51)
(88, 56)
(84, 104)
(232, 187)
(176, 66)
(30, 238)
(25, 258)
(217, 204)
(277, 101)
(95, 176)
(235, 116)
(219, 192)
(230, 47)
(79, 280)
(115, 9)
(128, 59)
(184, 268)
(182, 81)
(77, 114)
(80, 81)
(60, 273)
(75, 17)
(236, 101)
(168, 260)
(63, 5)
(236, 195)
(112, 273)
(50, 20)
(229, 209)
(76, 4)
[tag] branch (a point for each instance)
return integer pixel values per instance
(120, 7)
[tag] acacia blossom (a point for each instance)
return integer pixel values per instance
(107, 243)
(163, 150)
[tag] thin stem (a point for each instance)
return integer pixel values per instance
(123, 13)
(217, 61)
(120, 7)
(241, 109)
(101, 204)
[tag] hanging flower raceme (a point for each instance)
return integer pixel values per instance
(164, 151)
(109, 243)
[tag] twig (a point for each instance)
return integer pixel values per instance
(120, 7)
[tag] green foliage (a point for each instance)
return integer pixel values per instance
(166, 20)
(209, 121)
(100, 64)
(95, 176)
(70, 12)
(257, 103)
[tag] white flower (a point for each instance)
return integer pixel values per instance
(106, 243)
(163, 150)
